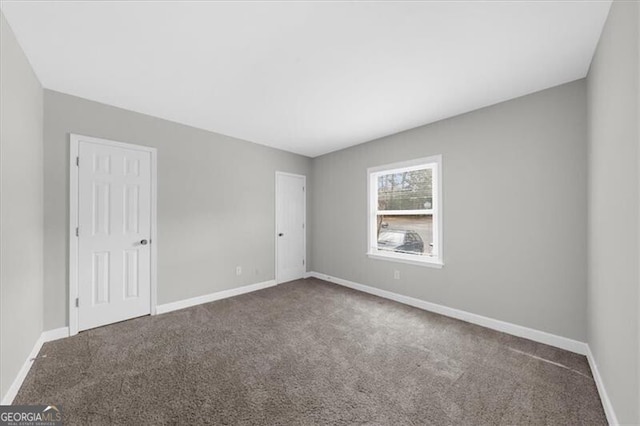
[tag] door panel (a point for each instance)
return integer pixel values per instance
(114, 216)
(290, 224)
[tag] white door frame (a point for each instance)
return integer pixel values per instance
(275, 233)
(74, 145)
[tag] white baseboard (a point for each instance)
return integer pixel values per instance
(604, 396)
(55, 334)
(46, 336)
(187, 303)
(494, 324)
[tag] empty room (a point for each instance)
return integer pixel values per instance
(320, 212)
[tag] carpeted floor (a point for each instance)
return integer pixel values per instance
(309, 352)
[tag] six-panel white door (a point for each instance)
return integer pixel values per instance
(114, 217)
(290, 227)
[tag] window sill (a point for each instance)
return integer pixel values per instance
(429, 263)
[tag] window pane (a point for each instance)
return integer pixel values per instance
(405, 191)
(406, 234)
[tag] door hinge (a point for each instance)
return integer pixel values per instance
(77, 302)
(78, 161)
(303, 189)
(302, 262)
(77, 232)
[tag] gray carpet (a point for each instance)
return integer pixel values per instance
(309, 352)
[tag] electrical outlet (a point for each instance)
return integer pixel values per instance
(396, 275)
(238, 270)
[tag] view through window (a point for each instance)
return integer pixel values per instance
(404, 210)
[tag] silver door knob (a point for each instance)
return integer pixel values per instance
(144, 242)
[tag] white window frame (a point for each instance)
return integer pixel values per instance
(434, 163)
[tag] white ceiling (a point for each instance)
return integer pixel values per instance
(307, 77)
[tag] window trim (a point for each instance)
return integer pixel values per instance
(411, 165)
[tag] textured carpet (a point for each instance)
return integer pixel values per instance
(309, 352)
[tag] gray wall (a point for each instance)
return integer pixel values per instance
(515, 212)
(21, 207)
(613, 93)
(215, 200)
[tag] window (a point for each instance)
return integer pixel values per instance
(405, 212)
